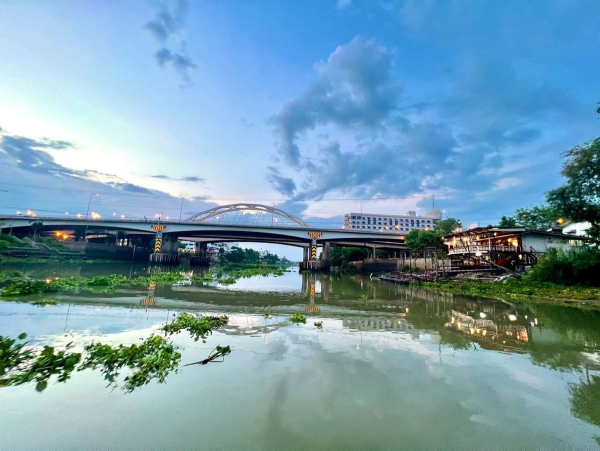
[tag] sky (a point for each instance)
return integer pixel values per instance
(317, 107)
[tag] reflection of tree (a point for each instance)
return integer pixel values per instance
(585, 399)
(455, 339)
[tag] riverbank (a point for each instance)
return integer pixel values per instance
(521, 291)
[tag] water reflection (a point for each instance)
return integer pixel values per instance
(377, 341)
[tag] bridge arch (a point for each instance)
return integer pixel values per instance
(221, 210)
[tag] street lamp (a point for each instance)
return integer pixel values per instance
(89, 202)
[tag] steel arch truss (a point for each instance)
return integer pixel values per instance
(221, 210)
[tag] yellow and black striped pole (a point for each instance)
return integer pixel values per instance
(158, 242)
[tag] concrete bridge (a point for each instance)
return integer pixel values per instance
(205, 228)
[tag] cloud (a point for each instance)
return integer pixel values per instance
(464, 141)
(283, 185)
(31, 155)
(167, 21)
(355, 88)
(182, 179)
(167, 26)
(36, 181)
(182, 64)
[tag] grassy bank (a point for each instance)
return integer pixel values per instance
(521, 291)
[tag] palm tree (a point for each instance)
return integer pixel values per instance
(36, 228)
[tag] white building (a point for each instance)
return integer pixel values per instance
(576, 228)
(391, 223)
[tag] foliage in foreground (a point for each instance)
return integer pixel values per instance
(20, 364)
(154, 358)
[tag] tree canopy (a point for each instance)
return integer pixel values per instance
(417, 239)
(579, 198)
(446, 226)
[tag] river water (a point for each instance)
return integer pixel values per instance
(391, 368)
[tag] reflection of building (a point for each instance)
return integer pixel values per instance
(376, 323)
(382, 223)
(487, 330)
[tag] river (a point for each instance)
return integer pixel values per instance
(390, 368)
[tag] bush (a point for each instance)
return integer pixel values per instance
(573, 268)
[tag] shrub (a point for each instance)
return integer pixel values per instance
(568, 268)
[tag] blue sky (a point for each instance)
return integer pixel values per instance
(298, 104)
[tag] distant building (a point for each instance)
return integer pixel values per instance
(391, 223)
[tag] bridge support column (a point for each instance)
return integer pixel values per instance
(310, 261)
(325, 261)
(166, 249)
(200, 256)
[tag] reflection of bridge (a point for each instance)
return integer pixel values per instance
(216, 226)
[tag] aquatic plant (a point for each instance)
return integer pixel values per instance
(319, 324)
(516, 290)
(268, 314)
(199, 327)
(298, 318)
(154, 358)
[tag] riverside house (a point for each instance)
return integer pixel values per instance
(511, 247)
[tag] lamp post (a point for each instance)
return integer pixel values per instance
(87, 214)
(89, 203)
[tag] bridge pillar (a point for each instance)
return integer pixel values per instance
(200, 255)
(325, 261)
(166, 250)
(200, 249)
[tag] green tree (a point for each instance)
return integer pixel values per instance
(447, 226)
(342, 256)
(507, 221)
(36, 228)
(417, 239)
(542, 217)
(579, 198)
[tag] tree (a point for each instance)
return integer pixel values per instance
(579, 198)
(447, 226)
(542, 217)
(342, 256)
(417, 239)
(36, 228)
(507, 221)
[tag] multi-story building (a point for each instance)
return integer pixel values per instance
(391, 223)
